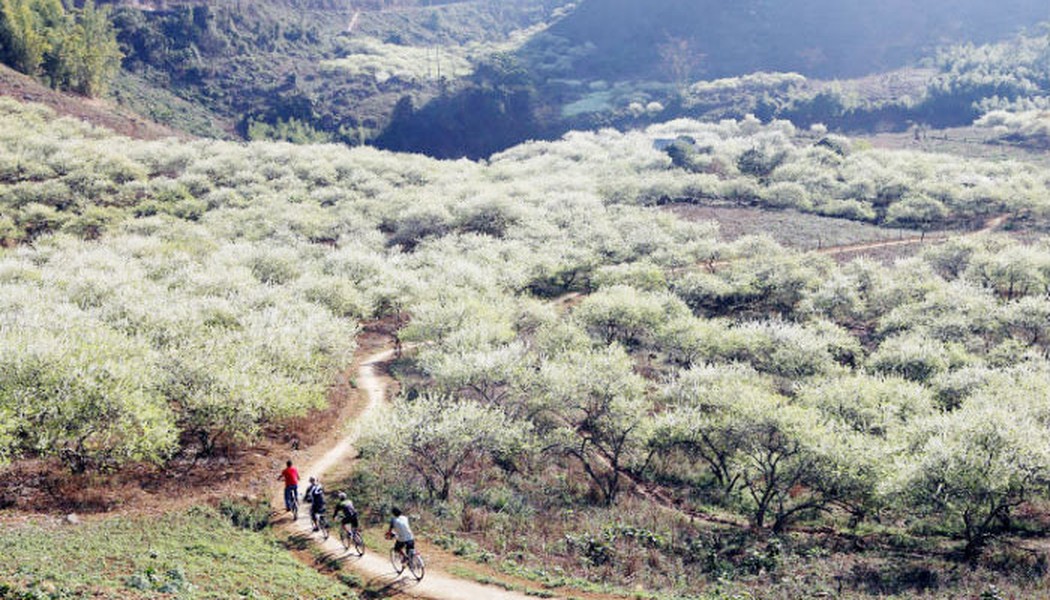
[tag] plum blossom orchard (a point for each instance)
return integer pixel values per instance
(169, 297)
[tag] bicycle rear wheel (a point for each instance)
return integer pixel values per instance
(358, 542)
(396, 562)
(345, 537)
(416, 565)
(295, 509)
(322, 522)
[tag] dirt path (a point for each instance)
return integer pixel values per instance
(374, 566)
(989, 225)
(869, 246)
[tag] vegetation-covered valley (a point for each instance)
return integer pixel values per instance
(323, 71)
(626, 64)
(472, 78)
(703, 411)
(686, 324)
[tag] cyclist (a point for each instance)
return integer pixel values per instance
(346, 507)
(400, 531)
(291, 485)
(315, 496)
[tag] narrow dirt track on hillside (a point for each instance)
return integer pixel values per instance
(374, 566)
(990, 225)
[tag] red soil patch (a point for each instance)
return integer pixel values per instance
(97, 112)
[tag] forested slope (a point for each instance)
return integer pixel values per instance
(315, 72)
(626, 65)
(701, 408)
(622, 39)
(472, 78)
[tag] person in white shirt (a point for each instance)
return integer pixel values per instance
(400, 531)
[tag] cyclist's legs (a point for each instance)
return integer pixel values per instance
(291, 492)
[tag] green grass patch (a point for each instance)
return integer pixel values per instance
(790, 228)
(163, 106)
(466, 573)
(195, 554)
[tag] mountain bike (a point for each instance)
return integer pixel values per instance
(295, 506)
(322, 524)
(413, 560)
(351, 538)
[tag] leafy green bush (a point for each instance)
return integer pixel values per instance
(437, 439)
(253, 515)
(970, 467)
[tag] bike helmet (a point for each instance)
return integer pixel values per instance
(341, 495)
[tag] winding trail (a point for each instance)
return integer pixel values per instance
(988, 226)
(374, 567)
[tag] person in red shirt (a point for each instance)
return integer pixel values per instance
(291, 485)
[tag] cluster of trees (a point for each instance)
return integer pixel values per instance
(221, 293)
(161, 335)
(382, 61)
(968, 81)
(775, 165)
(73, 50)
(163, 341)
(824, 174)
(973, 79)
(494, 108)
(1029, 128)
(747, 94)
(225, 281)
(795, 389)
(265, 64)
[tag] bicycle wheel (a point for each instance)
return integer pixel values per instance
(358, 542)
(416, 565)
(322, 522)
(395, 561)
(345, 537)
(295, 509)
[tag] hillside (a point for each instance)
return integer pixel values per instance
(472, 78)
(621, 39)
(718, 414)
(103, 113)
(315, 71)
(672, 330)
(849, 66)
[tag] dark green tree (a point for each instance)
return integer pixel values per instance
(26, 31)
(97, 58)
(77, 52)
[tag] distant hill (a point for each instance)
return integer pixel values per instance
(469, 78)
(627, 63)
(332, 70)
(622, 39)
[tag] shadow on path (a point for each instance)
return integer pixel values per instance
(387, 586)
